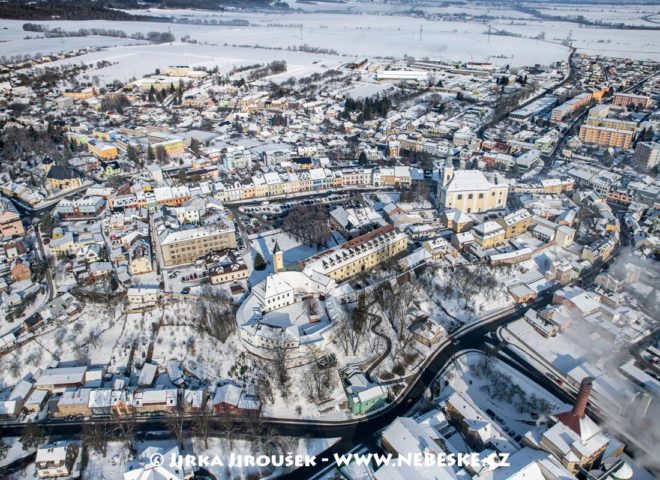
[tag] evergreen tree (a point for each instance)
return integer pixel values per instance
(182, 176)
(132, 154)
(161, 154)
(194, 146)
(259, 262)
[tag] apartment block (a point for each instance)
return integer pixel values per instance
(631, 100)
(570, 106)
(606, 136)
(647, 155)
(187, 245)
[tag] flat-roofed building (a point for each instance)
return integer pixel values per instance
(629, 99)
(187, 245)
(102, 150)
(571, 106)
(156, 400)
(647, 155)
(74, 402)
(605, 136)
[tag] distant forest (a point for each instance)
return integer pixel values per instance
(108, 9)
(62, 10)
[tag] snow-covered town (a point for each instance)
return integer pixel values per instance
(329, 229)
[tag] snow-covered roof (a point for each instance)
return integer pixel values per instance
(144, 469)
(468, 181)
(227, 393)
(61, 376)
(147, 374)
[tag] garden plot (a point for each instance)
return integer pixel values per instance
(467, 293)
(89, 339)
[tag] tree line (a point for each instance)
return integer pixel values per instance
(154, 37)
(273, 68)
(367, 108)
(78, 10)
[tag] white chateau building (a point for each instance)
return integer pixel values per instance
(292, 310)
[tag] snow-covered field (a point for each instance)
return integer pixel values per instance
(137, 61)
(90, 338)
(376, 31)
(18, 45)
(349, 35)
(629, 14)
(635, 44)
(352, 29)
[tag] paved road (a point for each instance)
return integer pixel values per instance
(42, 254)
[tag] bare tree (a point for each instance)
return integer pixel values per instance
(175, 422)
(215, 315)
(203, 425)
(311, 307)
(226, 423)
(32, 436)
(95, 436)
(353, 327)
(309, 224)
(396, 302)
(4, 448)
(263, 388)
(125, 430)
(318, 381)
(280, 362)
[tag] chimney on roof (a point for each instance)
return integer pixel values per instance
(580, 406)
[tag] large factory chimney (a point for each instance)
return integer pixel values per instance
(580, 406)
(572, 418)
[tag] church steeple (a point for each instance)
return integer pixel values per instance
(278, 258)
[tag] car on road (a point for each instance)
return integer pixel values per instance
(185, 290)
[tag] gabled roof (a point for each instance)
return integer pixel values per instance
(58, 172)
